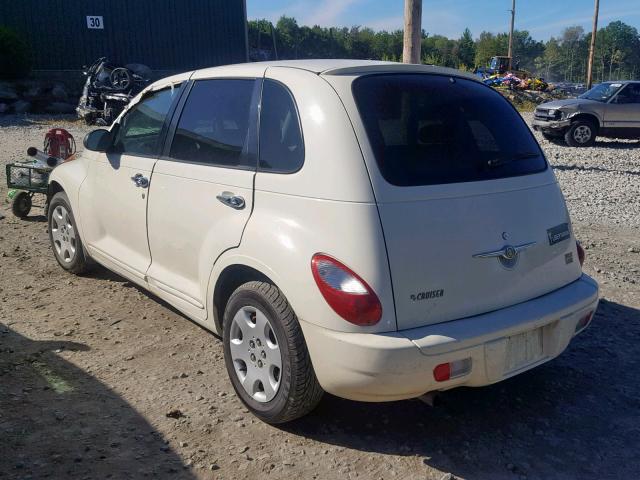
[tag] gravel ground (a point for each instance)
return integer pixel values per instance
(99, 379)
(600, 183)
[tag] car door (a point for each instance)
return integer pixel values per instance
(623, 112)
(113, 198)
(202, 190)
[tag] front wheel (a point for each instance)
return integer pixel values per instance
(266, 356)
(581, 133)
(64, 236)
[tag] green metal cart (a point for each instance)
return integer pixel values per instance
(24, 181)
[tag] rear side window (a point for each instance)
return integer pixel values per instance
(281, 145)
(432, 129)
(214, 127)
(630, 94)
(141, 127)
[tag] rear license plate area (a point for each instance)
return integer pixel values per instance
(523, 349)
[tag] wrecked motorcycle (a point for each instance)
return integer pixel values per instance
(108, 89)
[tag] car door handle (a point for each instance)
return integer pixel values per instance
(140, 180)
(231, 200)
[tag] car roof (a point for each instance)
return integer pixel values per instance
(327, 67)
(624, 82)
(319, 67)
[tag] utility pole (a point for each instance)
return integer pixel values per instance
(273, 37)
(412, 31)
(592, 47)
(513, 16)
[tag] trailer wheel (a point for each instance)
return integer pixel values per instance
(21, 205)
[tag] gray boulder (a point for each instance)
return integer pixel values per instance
(33, 91)
(8, 91)
(60, 107)
(21, 106)
(58, 91)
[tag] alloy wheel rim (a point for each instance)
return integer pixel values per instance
(255, 353)
(582, 134)
(63, 234)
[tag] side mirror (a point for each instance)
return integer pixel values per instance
(98, 140)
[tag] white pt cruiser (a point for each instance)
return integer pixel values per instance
(369, 229)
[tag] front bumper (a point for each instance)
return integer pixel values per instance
(399, 365)
(550, 125)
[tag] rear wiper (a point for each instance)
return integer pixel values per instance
(499, 161)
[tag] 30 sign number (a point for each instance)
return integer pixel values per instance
(95, 22)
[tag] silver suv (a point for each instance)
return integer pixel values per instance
(610, 109)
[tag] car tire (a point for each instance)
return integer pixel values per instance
(21, 204)
(64, 236)
(266, 356)
(581, 133)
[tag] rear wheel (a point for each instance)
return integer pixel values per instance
(64, 236)
(581, 133)
(21, 204)
(266, 356)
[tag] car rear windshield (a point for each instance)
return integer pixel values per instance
(432, 129)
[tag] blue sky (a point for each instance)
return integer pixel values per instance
(543, 18)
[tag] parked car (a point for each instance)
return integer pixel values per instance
(610, 109)
(369, 229)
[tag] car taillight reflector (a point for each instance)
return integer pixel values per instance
(584, 321)
(345, 292)
(455, 369)
(581, 254)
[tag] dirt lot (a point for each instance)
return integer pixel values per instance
(99, 379)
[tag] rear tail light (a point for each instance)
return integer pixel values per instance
(345, 292)
(584, 321)
(581, 254)
(455, 369)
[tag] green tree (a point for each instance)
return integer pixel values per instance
(466, 49)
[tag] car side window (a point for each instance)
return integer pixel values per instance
(141, 127)
(215, 124)
(629, 94)
(281, 141)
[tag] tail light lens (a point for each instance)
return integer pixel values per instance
(345, 292)
(581, 254)
(455, 369)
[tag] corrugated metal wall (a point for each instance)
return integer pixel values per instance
(163, 34)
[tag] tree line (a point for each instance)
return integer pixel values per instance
(562, 58)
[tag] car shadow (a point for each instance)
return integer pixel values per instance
(34, 219)
(33, 119)
(99, 272)
(616, 144)
(594, 169)
(58, 421)
(577, 416)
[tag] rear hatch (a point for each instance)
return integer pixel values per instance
(472, 215)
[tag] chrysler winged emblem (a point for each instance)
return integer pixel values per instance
(507, 255)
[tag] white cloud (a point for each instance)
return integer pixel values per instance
(583, 19)
(327, 12)
(440, 22)
(388, 23)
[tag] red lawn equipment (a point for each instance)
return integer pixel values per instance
(59, 143)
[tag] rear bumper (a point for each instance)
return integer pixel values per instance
(399, 365)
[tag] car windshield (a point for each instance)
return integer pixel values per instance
(602, 92)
